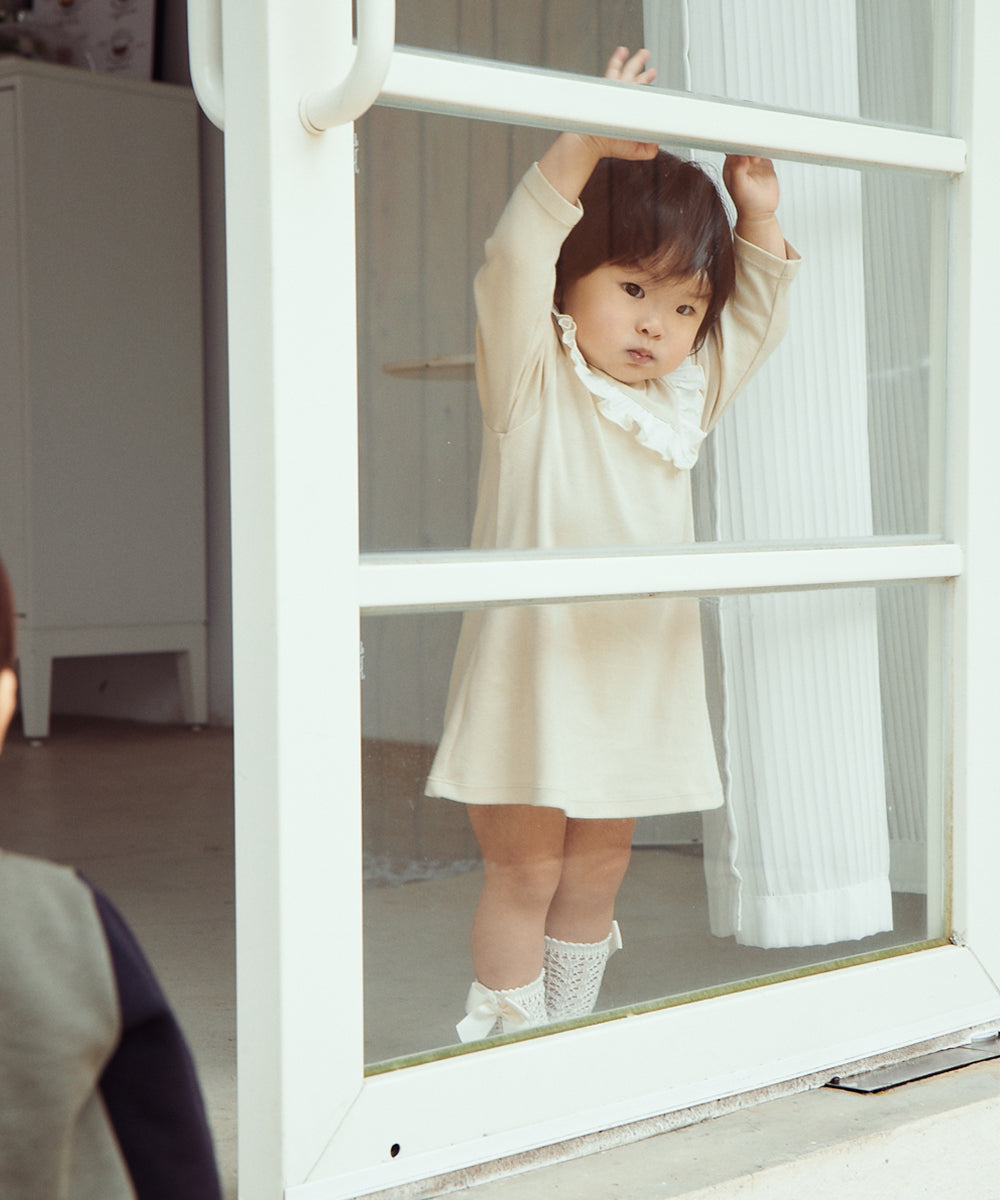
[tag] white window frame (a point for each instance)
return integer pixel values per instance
(312, 1125)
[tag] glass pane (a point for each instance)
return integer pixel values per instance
(561, 35)
(882, 60)
(822, 730)
(838, 435)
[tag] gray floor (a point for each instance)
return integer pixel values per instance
(146, 812)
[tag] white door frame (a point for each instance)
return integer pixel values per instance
(311, 1122)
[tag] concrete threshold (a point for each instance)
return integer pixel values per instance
(931, 1138)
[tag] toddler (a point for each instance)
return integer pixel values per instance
(618, 316)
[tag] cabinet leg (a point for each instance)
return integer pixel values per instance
(34, 671)
(192, 669)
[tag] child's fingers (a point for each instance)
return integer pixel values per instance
(750, 162)
(629, 70)
(634, 70)
(740, 168)
(733, 164)
(622, 148)
(615, 63)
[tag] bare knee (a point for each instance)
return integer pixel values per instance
(528, 883)
(595, 872)
(522, 848)
(598, 851)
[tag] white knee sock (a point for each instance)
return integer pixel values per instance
(504, 1010)
(573, 974)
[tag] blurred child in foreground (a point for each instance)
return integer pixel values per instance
(99, 1099)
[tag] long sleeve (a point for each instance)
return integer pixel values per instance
(513, 291)
(752, 323)
(149, 1085)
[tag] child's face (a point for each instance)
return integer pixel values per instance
(631, 326)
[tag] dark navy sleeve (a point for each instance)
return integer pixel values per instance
(149, 1085)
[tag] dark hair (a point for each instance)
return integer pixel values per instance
(663, 214)
(7, 654)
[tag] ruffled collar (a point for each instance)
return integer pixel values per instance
(676, 440)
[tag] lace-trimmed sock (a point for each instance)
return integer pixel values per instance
(573, 974)
(505, 1010)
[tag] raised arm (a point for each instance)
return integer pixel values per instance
(753, 185)
(572, 157)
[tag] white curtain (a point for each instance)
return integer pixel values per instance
(897, 78)
(800, 853)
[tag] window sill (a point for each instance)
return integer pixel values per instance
(936, 1136)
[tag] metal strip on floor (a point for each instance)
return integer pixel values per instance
(925, 1065)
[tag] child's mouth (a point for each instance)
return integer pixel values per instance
(639, 357)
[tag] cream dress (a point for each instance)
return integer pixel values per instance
(596, 708)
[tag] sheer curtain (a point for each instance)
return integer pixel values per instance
(800, 854)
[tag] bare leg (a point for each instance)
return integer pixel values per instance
(580, 935)
(595, 858)
(522, 850)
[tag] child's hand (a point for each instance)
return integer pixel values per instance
(626, 68)
(753, 185)
(572, 157)
(630, 70)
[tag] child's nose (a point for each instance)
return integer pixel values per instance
(651, 324)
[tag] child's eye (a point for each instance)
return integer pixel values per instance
(686, 310)
(634, 290)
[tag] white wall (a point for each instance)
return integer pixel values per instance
(145, 687)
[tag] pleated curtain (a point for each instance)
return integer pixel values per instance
(800, 853)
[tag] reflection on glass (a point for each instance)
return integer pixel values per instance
(889, 57)
(826, 716)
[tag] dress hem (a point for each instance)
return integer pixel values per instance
(598, 809)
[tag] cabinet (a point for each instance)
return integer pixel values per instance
(102, 490)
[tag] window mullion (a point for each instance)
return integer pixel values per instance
(398, 582)
(518, 96)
